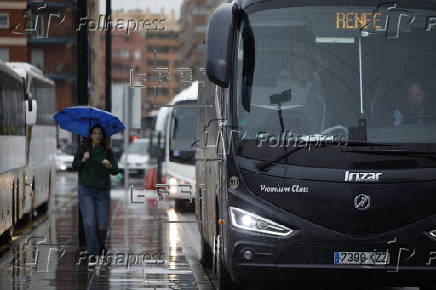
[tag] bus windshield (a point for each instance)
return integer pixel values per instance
(182, 132)
(324, 70)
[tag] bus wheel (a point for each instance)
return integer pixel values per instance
(13, 210)
(206, 254)
(183, 205)
(6, 237)
(224, 279)
(10, 233)
(33, 211)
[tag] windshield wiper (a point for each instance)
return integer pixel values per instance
(423, 154)
(356, 143)
(267, 163)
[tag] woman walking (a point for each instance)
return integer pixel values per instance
(95, 162)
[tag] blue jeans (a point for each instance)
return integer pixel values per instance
(93, 204)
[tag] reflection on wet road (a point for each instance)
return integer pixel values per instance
(144, 252)
(150, 247)
(65, 187)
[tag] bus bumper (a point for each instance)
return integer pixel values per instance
(284, 274)
(308, 253)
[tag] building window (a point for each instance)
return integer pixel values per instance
(37, 58)
(137, 54)
(159, 91)
(4, 54)
(124, 53)
(159, 62)
(37, 24)
(121, 67)
(158, 49)
(4, 20)
(162, 34)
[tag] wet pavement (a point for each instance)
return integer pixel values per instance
(150, 246)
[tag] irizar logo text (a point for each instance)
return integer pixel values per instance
(362, 176)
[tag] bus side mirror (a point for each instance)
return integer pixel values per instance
(219, 40)
(31, 109)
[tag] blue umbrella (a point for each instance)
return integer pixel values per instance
(80, 119)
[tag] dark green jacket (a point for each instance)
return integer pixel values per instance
(92, 173)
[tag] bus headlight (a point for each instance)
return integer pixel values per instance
(173, 189)
(251, 222)
(172, 181)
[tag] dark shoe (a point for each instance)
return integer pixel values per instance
(102, 240)
(103, 252)
(92, 261)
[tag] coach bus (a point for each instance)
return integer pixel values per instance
(175, 125)
(12, 148)
(28, 142)
(157, 148)
(317, 154)
(179, 147)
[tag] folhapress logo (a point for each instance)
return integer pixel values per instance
(362, 176)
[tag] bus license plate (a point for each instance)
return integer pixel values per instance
(362, 258)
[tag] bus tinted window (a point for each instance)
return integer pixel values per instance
(183, 131)
(12, 115)
(307, 69)
(46, 108)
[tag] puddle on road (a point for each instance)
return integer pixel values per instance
(144, 254)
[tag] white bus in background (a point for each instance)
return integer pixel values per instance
(27, 144)
(12, 149)
(40, 138)
(157, 148)
(176, 123)
(179, 150)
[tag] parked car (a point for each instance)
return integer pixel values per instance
(138, 157)
(117, 148)
(69, 148)
(64, 161)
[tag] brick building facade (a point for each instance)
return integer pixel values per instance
(193, 24)
(152, 45)
(13, 41)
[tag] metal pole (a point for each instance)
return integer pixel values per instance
(82, 83)
(82, 55)
(109, 66)
(126, 135)
(108, 55)
(360, 72)
(159, 159)
(126, 118)
(126, 166)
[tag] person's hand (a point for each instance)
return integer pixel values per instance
(85, 156)
(106, 163)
